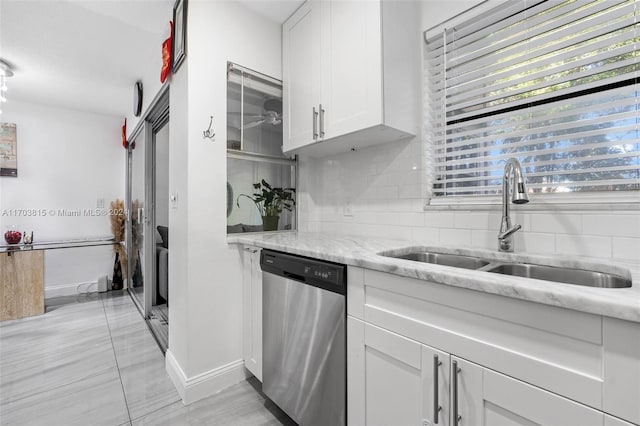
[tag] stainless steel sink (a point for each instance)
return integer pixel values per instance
(455, 260)
(562, 275)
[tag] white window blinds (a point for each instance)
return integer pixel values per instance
(553, 83)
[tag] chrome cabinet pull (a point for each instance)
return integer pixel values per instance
(250, 250)
(436, 404)
(454, 390)
(315, 123)
(321, 121)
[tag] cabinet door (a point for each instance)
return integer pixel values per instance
(351, 95)
(252, 311)
(301, 75)
(391, 378)
(485, 397)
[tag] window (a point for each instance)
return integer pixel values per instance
(254, 155)
(552, 83)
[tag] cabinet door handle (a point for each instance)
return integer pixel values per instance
(436, 404)
(250, 250)
(321, 121)
(315, 123)
(454, 390)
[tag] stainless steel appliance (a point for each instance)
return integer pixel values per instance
(304, 337)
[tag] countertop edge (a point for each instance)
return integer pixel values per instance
(625, 305)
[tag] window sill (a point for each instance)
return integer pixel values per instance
(628, 201)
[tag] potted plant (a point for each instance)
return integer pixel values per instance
(270, 202)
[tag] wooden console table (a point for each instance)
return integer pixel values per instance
(21, 284)
(22, 275)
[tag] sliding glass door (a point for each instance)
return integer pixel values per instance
(148, 223)
(138, 202)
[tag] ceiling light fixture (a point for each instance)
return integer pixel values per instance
(5, 73)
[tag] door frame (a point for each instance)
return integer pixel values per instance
(155, 117)
(148, 219)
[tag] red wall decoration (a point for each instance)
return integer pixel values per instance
(166, 55)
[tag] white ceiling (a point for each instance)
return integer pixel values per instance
(77, 54)
(87, 54)
(276, 10)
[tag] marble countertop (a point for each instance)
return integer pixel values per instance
(622, 303)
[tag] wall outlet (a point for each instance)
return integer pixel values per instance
(100, 203)
(348, 209)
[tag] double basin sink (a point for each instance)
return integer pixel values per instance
(528, 270)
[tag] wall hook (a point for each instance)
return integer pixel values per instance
(209, 133)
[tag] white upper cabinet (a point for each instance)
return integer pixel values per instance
(301, 64)
(351, 72)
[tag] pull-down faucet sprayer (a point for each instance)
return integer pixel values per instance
(512, 172)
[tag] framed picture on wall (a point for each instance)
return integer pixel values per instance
(179, 34)
(8, 150)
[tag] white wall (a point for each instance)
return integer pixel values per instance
(162, 176)
(151, 56)
(385, 187)
(66, 160)
(205, 289)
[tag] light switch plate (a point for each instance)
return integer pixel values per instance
(173, 200)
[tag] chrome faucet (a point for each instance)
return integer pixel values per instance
(518, 196)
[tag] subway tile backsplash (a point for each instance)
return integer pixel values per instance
(384, 191)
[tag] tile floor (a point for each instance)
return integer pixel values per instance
(91, 360)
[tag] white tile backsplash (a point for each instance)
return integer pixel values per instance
(584, 245)
(471, 220)
(626, 249)
(535, 242)
(484, 239)
(557, 223)
(424, 235)
(622, 225)
(437, 219)
(454, 236)
(384, 186)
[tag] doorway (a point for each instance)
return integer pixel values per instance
(159, 311)
(148, 224)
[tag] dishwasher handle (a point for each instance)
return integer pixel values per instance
(294, 276)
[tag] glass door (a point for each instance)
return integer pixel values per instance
(138, 218)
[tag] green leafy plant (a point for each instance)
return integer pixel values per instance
(270, 201)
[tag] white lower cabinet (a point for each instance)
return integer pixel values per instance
(484, 397)
(501, 361)
(393, 380)
(252, 310)
(398, 381)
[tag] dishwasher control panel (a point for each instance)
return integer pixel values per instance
(327, 275)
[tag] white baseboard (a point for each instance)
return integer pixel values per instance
(192, 389)
(69, 289)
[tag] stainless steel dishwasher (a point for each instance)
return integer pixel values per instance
(304, 337)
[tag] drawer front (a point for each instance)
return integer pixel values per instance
(556, 349)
